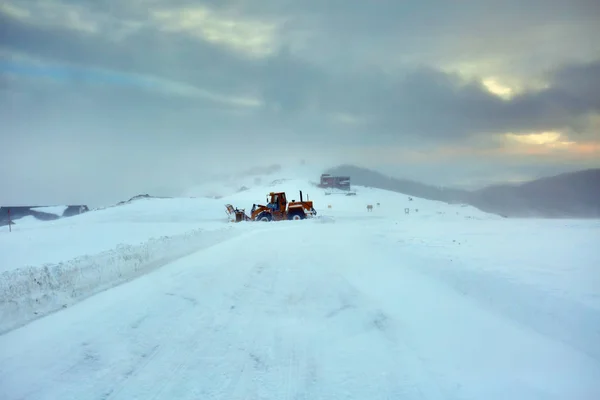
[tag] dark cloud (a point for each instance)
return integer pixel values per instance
(581, 83)
(515, 36)
(147, 51)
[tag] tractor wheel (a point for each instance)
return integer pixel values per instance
(296, 216)
(264, 217)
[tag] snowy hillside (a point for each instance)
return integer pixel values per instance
(143, 219)
(163, 298)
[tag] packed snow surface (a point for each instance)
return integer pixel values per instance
(163, 299)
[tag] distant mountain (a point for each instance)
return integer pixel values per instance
(569, 195)
(366, 177)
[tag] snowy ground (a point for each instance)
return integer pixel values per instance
(444, 303)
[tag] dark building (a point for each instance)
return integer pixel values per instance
(335, 182)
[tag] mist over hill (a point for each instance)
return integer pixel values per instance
(569, 195)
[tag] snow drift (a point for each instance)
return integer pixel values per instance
(32, 292)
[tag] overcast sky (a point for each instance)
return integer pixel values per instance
(104, 99)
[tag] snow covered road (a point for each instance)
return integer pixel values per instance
(297, 311)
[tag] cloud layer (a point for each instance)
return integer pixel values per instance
(115, 89)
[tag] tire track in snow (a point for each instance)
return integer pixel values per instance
(189, 352)
(563, 320)
(182, 355)
(408, 375)
(229, 315)
(343, 305)
(164, 350)
(163, 353)
(300, 371)
(237, 385)
(503, 293)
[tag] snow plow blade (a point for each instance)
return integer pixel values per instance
(235, 214)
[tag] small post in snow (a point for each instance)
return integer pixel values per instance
(9, 221)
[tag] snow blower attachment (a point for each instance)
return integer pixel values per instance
(277, 209)
(236, 215)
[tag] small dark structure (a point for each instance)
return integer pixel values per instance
(75, 210)
(335, 182)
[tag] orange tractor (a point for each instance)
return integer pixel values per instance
(277, 209)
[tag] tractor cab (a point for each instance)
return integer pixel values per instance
(277, 203)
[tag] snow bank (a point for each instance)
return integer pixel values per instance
(32, 292)
(97, 231)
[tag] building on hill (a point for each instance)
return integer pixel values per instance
(335, 182)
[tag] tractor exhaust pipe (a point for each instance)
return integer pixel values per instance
(301, 196)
